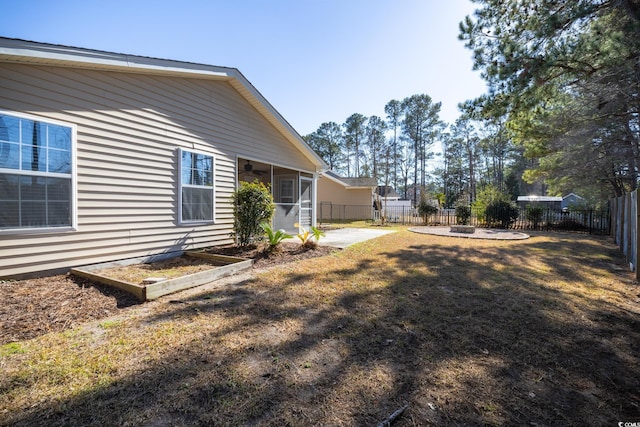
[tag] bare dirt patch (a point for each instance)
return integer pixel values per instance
(167, 269)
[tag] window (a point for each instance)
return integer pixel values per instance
(196, 186)
(286, 190)
(36, 173)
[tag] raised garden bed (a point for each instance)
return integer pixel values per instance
(150, 278)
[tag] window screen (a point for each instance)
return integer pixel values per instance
(196, 186)
(36, 159)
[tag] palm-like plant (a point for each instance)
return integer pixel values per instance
(309, 239)
(275, 237)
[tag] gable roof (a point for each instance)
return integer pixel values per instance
(350, 183)
(29, 52)
(574, 195)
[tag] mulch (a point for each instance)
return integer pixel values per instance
(284, 253)
(35, 307)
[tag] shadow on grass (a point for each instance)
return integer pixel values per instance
(466, 335)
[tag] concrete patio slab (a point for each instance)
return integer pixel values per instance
(343, 237)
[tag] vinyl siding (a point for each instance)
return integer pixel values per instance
(331, 191)
(129, 127)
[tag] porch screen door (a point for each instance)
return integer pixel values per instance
(306, 202)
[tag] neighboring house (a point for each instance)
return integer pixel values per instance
(391, 203)
(546, 202)
(414, 194)
(332, 188)
(106, 156)
(387, 193)
(573, 200)
(355, 196)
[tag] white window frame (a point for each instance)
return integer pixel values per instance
(181, 220)
(72, 176)
(287, 190)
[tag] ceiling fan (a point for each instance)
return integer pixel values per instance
(248, 168)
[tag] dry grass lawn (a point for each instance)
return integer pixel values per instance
(544, 331)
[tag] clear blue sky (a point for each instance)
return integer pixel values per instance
(314, 61)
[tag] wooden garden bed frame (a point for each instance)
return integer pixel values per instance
(223, 266)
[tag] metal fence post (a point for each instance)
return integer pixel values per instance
(637, 238)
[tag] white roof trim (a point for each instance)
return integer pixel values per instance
(572, 194)
(344, 184)
(22, 51)
(336, 180)
(539, 199)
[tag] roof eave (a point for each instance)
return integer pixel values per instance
(346, 185)
(23, 51)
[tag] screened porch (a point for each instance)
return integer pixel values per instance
(293, 193)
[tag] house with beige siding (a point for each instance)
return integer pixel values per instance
(107, 156)
(345, 198)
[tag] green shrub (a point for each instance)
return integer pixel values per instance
(534, 214)
(252, 205)
(426, 209)
(501, 213)
(463, 214)
(487, 195)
